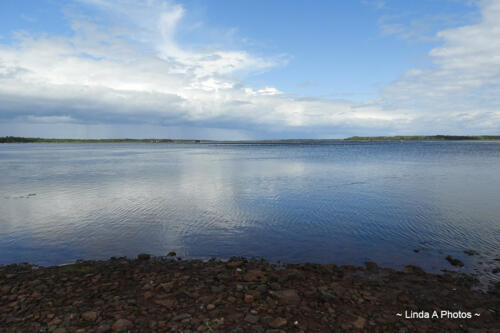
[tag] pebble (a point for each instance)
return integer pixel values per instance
(248, 299)
(251, 319)
(144, 256)
(122, 324)
(89, 315)
(278, 322)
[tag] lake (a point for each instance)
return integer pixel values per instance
(395, 203)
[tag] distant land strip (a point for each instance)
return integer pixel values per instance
(17, 139)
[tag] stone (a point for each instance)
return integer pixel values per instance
(60, 330)
(181, 316)
(278, 322)
(359, 323)
(288, 296)
(172, 254)
(210, 307)
(254, 275)
(121, 325)
(143, 256)
(234, 264)
(89, 315)
(454, 262)
(248, 299)
(371, 266)
(251, 319)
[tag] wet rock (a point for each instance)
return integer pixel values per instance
(471, 252)
(89, 316)
(143, 256)
(171, 254)
(278, 322)
(359, 323)
(496, 270)
(251, 319)
(371, 266)
(122, 325)
(248, 299)
(181, 317)
(103, 328)
(289, 296)
(234, 264)
(254, 275)
(454, 262)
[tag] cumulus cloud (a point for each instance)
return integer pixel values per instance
(129, 68)
(461, 89)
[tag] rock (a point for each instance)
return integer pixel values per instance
(254, 275)
(231, 299)
(103, 328)
(181, 316)
(416, 250)
(471, 252)
(288, 296)
(89, 315)
(218, 289)
(359, 323)
(371, 266)
(324, 295)
(248, 299)
(251, 319)
(496, 270)
(454, 262)
(234, 264)
(121, 325)
(60, 330)
(143, 256)
(210, 307)
(171, 254)
(278, 322)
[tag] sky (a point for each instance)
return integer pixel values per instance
(249, 69)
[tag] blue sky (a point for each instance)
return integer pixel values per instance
(249, 69)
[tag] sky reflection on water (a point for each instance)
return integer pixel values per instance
(340, 203)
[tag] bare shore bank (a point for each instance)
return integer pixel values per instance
(172, 295)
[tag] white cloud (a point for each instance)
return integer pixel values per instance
(462, 88)
(129, 68)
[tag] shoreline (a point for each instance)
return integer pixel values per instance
(168, 294)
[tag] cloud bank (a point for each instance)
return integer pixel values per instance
(128, 70)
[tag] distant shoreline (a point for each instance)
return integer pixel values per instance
(14, 139)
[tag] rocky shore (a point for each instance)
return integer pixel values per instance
(173, 295)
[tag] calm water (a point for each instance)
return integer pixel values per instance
(344, 203)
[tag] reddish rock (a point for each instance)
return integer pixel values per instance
(289, 296)
(254, 275)
(103, 328)
(359, 323)
(278, 322)
(143, 256)
(234, 264)
(89, 316)
(121, 325)
(248, 299)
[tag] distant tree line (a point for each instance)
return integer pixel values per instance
(424, 138)
(18, 139)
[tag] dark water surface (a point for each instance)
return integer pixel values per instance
(344, 203)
